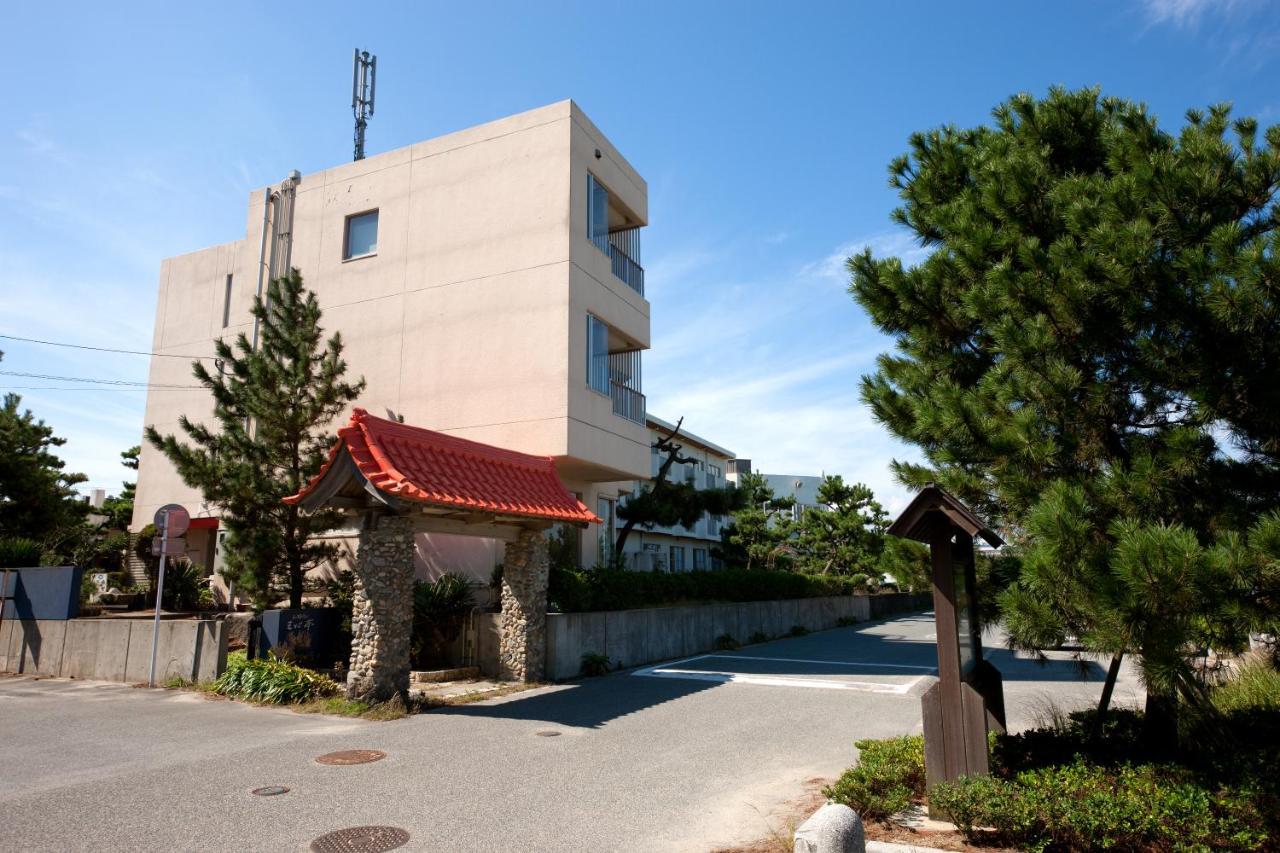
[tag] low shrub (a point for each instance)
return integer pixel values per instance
(797, 631)
(594, 663)
(439, 608)
(846, 622)
(271, 681)
(757, 637)
(17, 552)
(574, 591)
(727, 643)
(888, 777)
(1080, 806)
(1255, 686)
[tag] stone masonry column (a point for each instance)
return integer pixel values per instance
(522, 652)
(382, 613)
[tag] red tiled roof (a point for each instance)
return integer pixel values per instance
(415, 464)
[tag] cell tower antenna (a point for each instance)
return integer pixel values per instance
(364, 83)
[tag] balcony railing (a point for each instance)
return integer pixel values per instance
(627, 402)
(627, 270)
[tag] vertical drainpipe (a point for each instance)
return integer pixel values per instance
(277, 220)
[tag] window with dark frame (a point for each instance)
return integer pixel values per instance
(361, 237)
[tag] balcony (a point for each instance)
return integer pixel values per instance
(627, 402)
(625, 268)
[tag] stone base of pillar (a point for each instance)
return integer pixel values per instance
(522, 653)
(382, 613)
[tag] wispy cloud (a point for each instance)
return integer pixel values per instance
(1188, 13)
(898, 244)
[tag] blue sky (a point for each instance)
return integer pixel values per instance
(763, 129)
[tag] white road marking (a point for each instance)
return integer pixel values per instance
(827, 662)
(671, 670)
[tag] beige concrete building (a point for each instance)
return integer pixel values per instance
(486, 283)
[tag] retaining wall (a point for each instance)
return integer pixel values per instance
(113, 649)
(635, 637)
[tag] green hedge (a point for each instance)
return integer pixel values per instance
(888, 777)
(1080, 806)
(612, 589)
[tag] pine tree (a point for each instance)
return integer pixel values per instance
(119, 508)
(667, 504)
(1099, 308)
(758, 536)
(38, 500)
(269, 436)
(846, 534)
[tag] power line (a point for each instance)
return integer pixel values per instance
(106, 349)
(94, 381)
(90, 388)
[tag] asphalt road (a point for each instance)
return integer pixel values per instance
(686, 755)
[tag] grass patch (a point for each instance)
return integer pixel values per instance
(1254, 687)
(340, 706)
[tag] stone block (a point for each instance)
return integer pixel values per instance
(831, 829)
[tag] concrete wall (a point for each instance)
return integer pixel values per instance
(635, 637)
(113, 649)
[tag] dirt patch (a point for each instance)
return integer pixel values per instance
(779, 838)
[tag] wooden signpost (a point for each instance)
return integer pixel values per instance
(968, 699)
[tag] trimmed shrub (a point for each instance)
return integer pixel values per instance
(888, 777)
(573, 591)
(1080, 806)
(757, 637)
(271, 681)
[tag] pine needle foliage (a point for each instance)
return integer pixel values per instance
(1087, 357)
(269, 435)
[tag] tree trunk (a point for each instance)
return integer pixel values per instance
(1160, 726)
(1109, 686)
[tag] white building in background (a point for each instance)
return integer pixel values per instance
(802, 488)
(675, 549)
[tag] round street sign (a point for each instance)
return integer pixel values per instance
(179, 520)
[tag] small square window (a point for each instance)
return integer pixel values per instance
(362, 235)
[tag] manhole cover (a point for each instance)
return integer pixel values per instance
(361, 839)
(352, 756)
(270, 790)
(548, 733)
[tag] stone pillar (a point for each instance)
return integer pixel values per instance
(523, 643)
(382, 614)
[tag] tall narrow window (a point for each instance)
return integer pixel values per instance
(361, 236)
(677, 558)
(226, 304)
(699, 559)
(597, 213)
(605, 509)
(597, 354)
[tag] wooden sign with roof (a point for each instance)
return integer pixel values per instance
(968, 699)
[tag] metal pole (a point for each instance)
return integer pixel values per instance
(155, 627)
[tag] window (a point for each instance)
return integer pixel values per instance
(597, 354)
(604, 509)
(699, 559)
(677, 558)
(597, 213)
(226, 303)
(362, 236)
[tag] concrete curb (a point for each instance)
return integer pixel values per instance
(893, 847)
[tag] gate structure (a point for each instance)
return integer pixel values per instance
(400, 480)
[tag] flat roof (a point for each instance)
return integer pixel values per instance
(655, 421)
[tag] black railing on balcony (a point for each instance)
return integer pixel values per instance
(627, 402)
(624, 253)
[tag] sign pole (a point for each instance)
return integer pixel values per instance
(155, 626)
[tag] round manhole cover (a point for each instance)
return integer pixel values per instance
(361, 839)
(351, 756)
(270, 790)
(548, 733)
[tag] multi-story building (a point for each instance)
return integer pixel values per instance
(677, 549)
(487, 284)
(801, 488)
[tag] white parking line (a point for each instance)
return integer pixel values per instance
(827, 662)
(672, 670)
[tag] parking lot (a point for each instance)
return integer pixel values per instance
(685, 755)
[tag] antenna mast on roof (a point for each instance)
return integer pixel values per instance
(364, 79)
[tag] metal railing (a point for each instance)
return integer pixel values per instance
(627, 402)
(626, 269)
